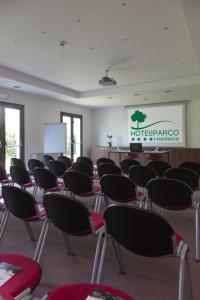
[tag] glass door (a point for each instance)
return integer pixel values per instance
(11, 133)
(74, 134)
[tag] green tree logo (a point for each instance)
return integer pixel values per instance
(138, 117)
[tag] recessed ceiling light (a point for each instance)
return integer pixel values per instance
(168, 91)
(165, 28)
(43, 32)
(62, 43)
(16, 86)
(79, 20)
(125, 39)
(91, 48)
(136, 94)
(124, 4)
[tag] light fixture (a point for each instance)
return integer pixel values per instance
(107, 81)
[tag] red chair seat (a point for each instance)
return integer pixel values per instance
(97, 220)
(28, 277)
(96, 189)
(178, 239)
(5, 295)
(37, 218)
(81, 291)
(4, 181)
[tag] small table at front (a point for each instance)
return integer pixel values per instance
(164, 153)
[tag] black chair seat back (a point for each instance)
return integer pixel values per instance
(140, 231)
(105, 160)
(118, 188)
(3, 174)
(85, 160)
(19, 202)
(69, 215)
(188, 176)
(195, 166)
(141, 175)
(66, 161)
(83, 167)
(17, 162)
(46, 158)
(127, 163)
(77, 182)
(170, 193)
(159, 166)
(44, 178)
(57, 167)
(19, 175)
(34, 163)
(105, 168)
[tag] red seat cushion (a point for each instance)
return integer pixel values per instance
(81, 291)
(178, 239)
(36, 217)
(5, 295)
(97, 220)
(28, 276)
(95, 190)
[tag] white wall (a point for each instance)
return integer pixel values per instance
(114, 121)
(39, 110)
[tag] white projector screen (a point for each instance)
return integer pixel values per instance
(157, 125)
(55, 138)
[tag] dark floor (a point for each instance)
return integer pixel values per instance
(146, 279)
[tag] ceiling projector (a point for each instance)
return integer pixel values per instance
(107, 81)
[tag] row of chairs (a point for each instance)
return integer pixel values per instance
(140, 231)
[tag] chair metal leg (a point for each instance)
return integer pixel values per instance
(118, 254)
(197, 232)
(97, 255)
(102, 260)
(189, 276)
(4, 223)
(182, 271)
(68, 244)
(41, 241)
(30, 232)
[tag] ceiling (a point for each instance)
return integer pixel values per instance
(150, 47)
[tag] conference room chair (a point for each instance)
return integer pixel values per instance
(126, 163)
(117, 188)
(23, 206)
(146, 234)
(4, 179)
(70, 216)
(57, 168)
(46, 180)
(21, 177)
(78, 184)
(195, 166)
(21, 285)
(34, 163)
(159, 166)
(83, 167)
(175, 195)
(80, 291)
(85, 160)
(141, 175)
(46, 158)
(106, 168)
(17, 162)
(104, 160)
(65, 160)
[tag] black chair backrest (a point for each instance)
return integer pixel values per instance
(17, 162)
(33, 163)
(141, 175)
(77, 182)
(83, 167)
(44, 178)
(170, 193)
(160, 166)
(188, 176)
(85, 160)
(57, 167)
(195, 166)
(69, 215)
(118, 188)
(46, 158)
(19, 202)
(66, 161)
(105, 168)
(140, 231)
(19, 175)
(127, 163)
(3, 174)
(105, 160)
